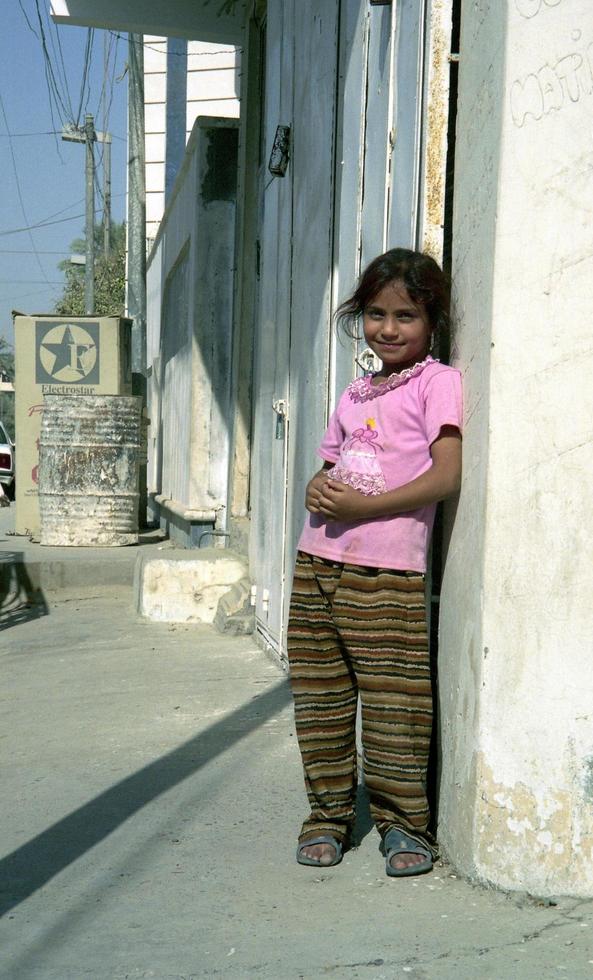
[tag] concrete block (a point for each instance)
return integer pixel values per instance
(235, 616)
(185, 586)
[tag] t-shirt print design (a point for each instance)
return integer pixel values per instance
(358, 465)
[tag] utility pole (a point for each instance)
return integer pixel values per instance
(106, 193)
(89, 270)
(89, 135)
(106, 156)
(136, 229)
(136, 277)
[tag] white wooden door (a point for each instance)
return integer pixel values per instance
(347, 77)
(314, 128)
(295, 293)
(408, 123)
(269, 457)
(379, 154)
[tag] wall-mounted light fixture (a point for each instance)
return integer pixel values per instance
(280, 154)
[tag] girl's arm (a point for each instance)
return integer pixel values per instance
(314, 488)
(339, 502)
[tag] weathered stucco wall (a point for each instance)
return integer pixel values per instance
(190, 332)
(517, 628)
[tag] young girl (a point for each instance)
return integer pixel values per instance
(357, 618)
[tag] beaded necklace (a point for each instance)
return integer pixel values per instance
(362, 390)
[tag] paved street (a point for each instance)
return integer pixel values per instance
(151, 799)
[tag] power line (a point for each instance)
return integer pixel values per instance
(47, 132)
(56, 214)
(29, 24)
(53, 87)
(28, 251)
(98, 187)
(35, 292)
(54, 97)
(85, 81)
(54, 132)
(107, 107)
(44, 224)
(61, 53)
(58, 56)
(107, 113)
(16, 282)
(18, 188)
(106, 59)
(177, 54)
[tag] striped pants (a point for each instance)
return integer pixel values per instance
(355, 629)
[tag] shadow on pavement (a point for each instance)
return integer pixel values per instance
(20, 600)
(363, 823)
(34, 864)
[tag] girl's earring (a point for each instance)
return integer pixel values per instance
(431, 345)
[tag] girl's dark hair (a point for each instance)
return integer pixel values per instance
(423, 278)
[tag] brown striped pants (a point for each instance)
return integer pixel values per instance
(355, 629)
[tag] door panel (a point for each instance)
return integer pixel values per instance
(316, 52)
(377, 132)
(343, 75)
(349, 180)
(408, 85)
(273, 337)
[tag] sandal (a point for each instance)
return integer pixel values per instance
(397, 842)
(322, 839)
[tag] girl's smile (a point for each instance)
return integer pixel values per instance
(396, 328)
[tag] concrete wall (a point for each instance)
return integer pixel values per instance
(190, 336)
(517, 624)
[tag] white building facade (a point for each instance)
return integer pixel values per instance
(361, 91)
(209, 86)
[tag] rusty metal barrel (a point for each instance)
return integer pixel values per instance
(89, 470)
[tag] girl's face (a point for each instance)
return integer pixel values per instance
(396, 328)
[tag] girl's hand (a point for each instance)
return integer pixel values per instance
(339, 502)
(313, 491)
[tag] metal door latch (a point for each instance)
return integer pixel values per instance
(280, 154)
(281, 409)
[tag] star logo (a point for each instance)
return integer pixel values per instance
(67, 353)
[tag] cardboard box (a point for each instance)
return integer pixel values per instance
(68, 356)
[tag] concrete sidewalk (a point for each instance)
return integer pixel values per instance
(151, 799)
(51, 568)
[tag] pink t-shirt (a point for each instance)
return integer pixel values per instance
(380, 439)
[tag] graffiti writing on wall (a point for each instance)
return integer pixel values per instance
(552, 87)
(531, 8)
(479, 14)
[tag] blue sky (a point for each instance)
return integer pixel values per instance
(50, 171)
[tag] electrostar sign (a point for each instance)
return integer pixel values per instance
(67, 353)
